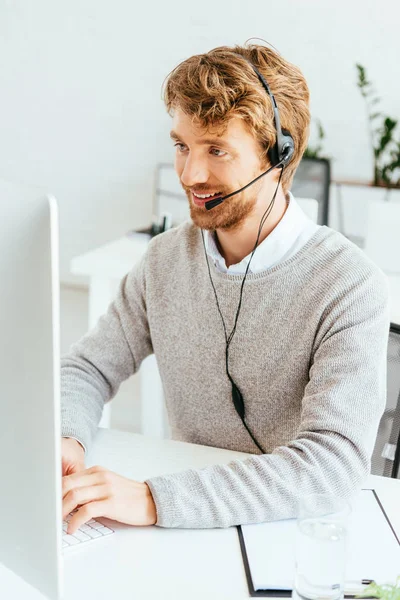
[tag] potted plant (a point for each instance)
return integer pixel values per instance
(385, 148)
(382, 240)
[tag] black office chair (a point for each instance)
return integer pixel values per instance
(386, 454)
(312, 180)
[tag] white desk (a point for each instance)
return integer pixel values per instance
(155, 563)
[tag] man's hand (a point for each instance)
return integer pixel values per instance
(72, 456)
(102, 493)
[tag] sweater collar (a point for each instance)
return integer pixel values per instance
(272, 250)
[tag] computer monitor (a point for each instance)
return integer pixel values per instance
(30, 483)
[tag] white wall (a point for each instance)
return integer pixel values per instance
(80, 105)
(81, 113)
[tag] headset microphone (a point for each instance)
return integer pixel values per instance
(216, 201)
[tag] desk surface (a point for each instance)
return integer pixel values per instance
(155, 563)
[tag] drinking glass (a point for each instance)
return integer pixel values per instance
(320, 547)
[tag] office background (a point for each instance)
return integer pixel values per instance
(81, 113)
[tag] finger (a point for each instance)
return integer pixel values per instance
(70, 469)
(92, 510)
(77, 467)
(86, 478)
(81, 496)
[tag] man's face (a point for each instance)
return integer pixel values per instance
(207, 163)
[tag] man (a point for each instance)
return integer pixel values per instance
(270, 332)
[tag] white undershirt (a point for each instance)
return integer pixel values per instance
(292, 233)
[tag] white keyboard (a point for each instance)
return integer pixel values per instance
(92, 530)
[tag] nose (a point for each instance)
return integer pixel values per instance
(194, 171)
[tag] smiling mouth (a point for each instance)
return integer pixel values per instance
(201, 199)
(206, 196)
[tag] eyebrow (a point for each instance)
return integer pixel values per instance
(217, 140)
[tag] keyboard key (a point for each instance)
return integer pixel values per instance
(96, 524)
(71, 540)
(105, 530)
(93, 533)
(81, 536)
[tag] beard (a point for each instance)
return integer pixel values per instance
(228, 215)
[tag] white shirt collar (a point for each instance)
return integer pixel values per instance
(294, 228)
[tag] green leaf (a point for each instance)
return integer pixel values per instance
(386, 133)
(390, 123)
(321, 133)
(361, 75)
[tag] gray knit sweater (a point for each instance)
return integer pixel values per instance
(309, 356)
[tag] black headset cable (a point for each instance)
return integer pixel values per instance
(237, 397)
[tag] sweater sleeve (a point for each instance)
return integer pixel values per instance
(98, 363)
(341, 408)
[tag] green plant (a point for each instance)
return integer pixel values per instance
(386, 592)
(315, 152)
(386, 150)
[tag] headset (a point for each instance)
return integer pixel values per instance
(279, 156)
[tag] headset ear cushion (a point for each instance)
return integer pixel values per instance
(273, 155)
(287, 145)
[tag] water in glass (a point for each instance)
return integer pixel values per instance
(320, 550)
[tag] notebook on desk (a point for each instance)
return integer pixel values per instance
(373, 549)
